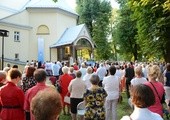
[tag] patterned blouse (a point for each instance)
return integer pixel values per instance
(95, 104)
(27, 82)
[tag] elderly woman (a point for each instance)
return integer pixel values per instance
(142, 98)
(157, 88)
(76, 88)
(28, 80)
(94, 98)
(46, 105)
(138, 77)
(136, 81)
(64, 81)
(72, 72)
(12, 98)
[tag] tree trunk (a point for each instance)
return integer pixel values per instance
(167, 46)
(167, 54)
(135, 53)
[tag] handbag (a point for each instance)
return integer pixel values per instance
(58, 87)
(67, 99)
(120, 99)
(163, 97)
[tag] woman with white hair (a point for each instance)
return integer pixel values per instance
(64, 81)
(138, 77)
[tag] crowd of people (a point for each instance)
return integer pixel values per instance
(26, 96)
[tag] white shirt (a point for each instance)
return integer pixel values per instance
(71, 60)
(86, 80)
(48, 66)
(77, 88)
(111, 86)
(107, 66)
(83, 71)
(137, 81)
(101, 72)
(144, 70)
(55, 69)
(142, 114)
(118, 73)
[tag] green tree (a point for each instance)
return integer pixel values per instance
(96, 15)
(88, 11)
(153, 25)
(114, 44)
(55, 0)
(125, 32)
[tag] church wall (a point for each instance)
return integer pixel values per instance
(11, 47)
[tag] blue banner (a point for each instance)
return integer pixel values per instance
(40, 49)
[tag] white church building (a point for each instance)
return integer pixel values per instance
(41, 30)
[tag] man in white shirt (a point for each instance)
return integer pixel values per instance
(55, 70)
(111, 85)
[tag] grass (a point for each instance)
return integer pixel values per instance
(65, 117)
(123, 109)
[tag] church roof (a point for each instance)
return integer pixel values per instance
(10, 7)
(69, 36)
(60, 4)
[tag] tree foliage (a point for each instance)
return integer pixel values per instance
(143, 28)
(125, 32)
(96, 15)
(153, 24)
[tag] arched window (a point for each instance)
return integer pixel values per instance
(43, 30)
(84, 43)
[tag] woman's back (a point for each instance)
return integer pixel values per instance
(12, 101)
(157, 107)
(95, 99)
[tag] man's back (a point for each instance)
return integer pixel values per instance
(55, 69)
(30, 94)
(40, 77)
(129, 73)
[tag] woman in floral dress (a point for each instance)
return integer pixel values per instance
(94, 101)
(28, 80)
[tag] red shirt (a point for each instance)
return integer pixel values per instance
(11, 96)
(75, 67)
(64, 80)
(30, 94)
(157, 107)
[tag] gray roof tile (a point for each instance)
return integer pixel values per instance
(69, 36)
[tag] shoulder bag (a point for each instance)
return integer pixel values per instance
(163, 97)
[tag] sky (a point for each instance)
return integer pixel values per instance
(72, 3)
